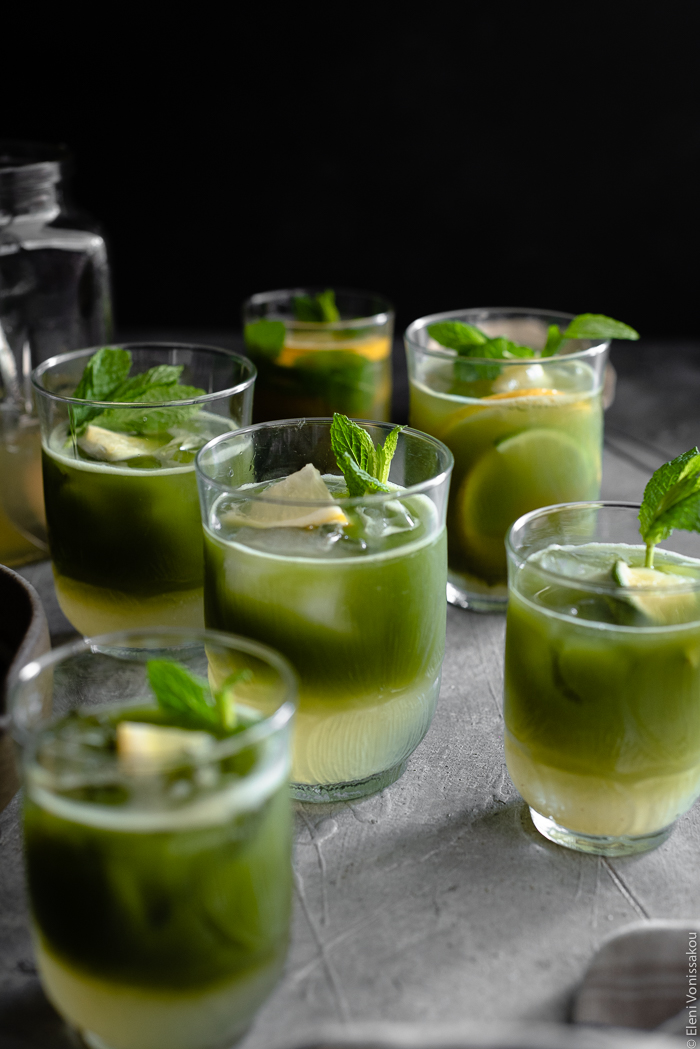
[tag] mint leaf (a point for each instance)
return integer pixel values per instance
(359, 481)
(161, 375)
(455, 335)
(554, 340)
(317, 308)
(597, 326)
(103, 373)
(265, 337)
(181, 693)
(365, 468)
(190, 698)
(469, 341)
(348, 437)
(386, 453)
(154, 420)
(671, 500)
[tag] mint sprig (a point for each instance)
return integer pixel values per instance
(106, 378)
(587, 326)
(191, 699)
(265, 337)
(319, 308)
(104, 372)
(671, 500)
(364, 467)
(470, 341)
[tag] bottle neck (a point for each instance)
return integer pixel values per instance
(30, 190)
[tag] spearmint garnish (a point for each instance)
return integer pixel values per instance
(470, 341)
(191, 699)
(365, 468)
(319, 308)
(671, 500)
(105, 378)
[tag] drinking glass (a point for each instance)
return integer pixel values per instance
(359, 608)
(122, 511)
(159, 889)
(602, 681)
(524, 433)
(313, 368)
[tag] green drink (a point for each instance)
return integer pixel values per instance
(315, 357)
(524, 432)
(602, 679)
(350, 589)
(121, 503)
(158, 856)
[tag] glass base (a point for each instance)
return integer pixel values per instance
(475, 602)
(599, 845)
(361, 788)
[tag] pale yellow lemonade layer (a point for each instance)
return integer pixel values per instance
(98, 610)
(129, 1018)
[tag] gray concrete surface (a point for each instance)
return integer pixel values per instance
(436, 901)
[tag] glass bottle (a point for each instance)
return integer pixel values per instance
(54, 297)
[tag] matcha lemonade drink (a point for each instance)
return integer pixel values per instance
(602, 677)
(157, 831)
(327, 539)
(120, 430)
(319, 352)
(516, 396)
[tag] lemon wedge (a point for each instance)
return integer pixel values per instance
(288, 510)
(660, 598)
(143, 747)
(113, 447)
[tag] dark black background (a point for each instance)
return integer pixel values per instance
(524, 154)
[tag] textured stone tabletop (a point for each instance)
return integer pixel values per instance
(436, 900)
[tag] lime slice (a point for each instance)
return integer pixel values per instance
(534, 468)
(289, 504)
(661, 599)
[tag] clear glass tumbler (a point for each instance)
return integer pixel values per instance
(122, 510)
(602, 681)
(356, 604)
(524, 433)
(312, 368)
(159, 879)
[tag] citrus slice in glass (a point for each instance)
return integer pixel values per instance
(531, 469)
(664, 598)
(288, 503)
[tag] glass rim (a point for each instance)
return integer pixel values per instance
(61, 358)
(255, 733)
(280, 294)
(584, 584)
(374, 499)
(445, 353)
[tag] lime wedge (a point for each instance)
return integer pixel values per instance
(288, 505)
(534, 468)
(661, 599)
